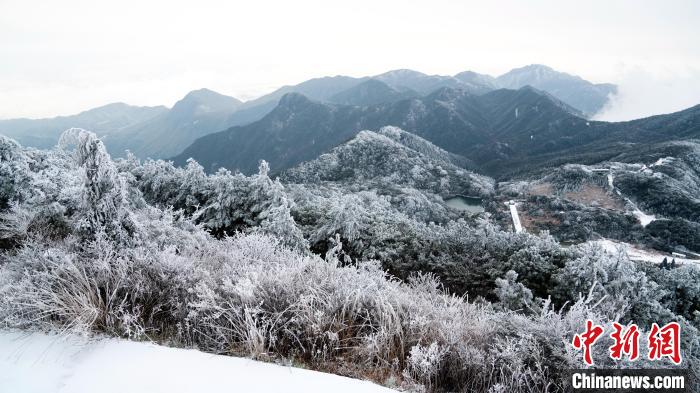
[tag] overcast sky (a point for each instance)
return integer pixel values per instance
(61, 57)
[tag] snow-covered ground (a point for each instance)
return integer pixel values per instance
(643, 218)
(662, 161)
(638, 254)
(41, 363)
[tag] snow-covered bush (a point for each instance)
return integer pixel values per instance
(512, 294)
(620, 288)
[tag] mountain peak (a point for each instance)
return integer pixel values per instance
(371, 92)
(293, 100)
(207, 95)
(536, 67)
(205, 100)
(399, 73)
(530, 75)
(571, 89)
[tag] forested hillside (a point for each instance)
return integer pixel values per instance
(505, 134)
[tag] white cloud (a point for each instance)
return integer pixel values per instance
(644, 93)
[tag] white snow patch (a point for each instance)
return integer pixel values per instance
(638, 254)
(643, 218)
(42, 363)
(662, 161)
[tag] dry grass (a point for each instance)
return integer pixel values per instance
(534, 224)
(544, 189)
(594, 195)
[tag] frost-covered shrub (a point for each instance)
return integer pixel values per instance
(14, 225)
(622, 290)
(279, 223)
(680, 291)
(424, 362)
(223, 202)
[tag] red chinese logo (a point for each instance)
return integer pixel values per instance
(626, 342)
(586, 340)
(664, 342)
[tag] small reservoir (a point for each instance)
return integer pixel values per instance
(465, 203)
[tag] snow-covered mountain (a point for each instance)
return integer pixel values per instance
(503, 132)
(392, 155)
(585, 96)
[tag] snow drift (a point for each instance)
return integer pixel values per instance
(41, 363)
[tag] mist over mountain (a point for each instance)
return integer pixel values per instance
(318, 89)
(477, 80)
(297, 130)
(602, 141)
(426, 84)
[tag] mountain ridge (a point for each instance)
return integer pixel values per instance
(493, 130)
(204, 111)
(109, 118)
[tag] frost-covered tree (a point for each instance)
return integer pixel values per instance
(14, 173)
(279, 223)
(512, 294)
(104, 194)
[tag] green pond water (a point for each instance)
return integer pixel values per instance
(468, 204)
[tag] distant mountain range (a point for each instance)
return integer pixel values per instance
(502, 132)
(159, 132)
(586, 97)
(108, 119)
